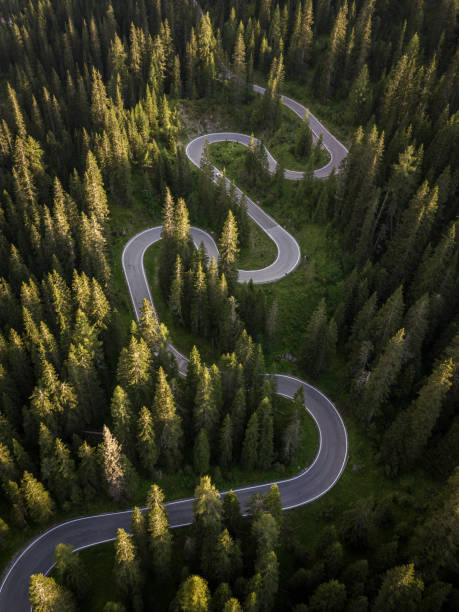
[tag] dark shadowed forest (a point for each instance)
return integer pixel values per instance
(97, 103)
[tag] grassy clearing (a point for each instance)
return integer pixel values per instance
(331, 114)
(201, 117)
(321, 274)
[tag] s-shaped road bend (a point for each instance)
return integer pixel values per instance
(310, 484)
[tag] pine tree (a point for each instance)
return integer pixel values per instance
(333, 70)
(360, 98)
(228, 246)
(135, 370)
(268, 568)
(291, 437)
(329, 595)
(45, 594)
(36, 498)
(71, 570)
(182, 238)
(167, 423)
(62, 476)
(226, 442)
(227, 558)
(123, 419)
(193, 376)
(114, 471)
(205, 413)
(175, 298)
(192, 596)
(400, 590)
(146, 443)
(167, 252)
(266, 434)
(273, 503)
(407, 437)
(151, 330)
(249, 455)
(201, 453)
(208, 515)
(94, 192)
(198, 307)
(239, 67)
(139, 532)
(232, 512)
(383, 376)
(176, 85)
(303, 145)
(127, 571)
(232, 605)
(314, 353)
(433, 546)
(160, 539)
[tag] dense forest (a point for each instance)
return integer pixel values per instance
(95, 97)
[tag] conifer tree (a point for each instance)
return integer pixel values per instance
(61, 474)
(407, 437)
(114, 470)
(198, 307)
(139, 532)
(266, 434)
(315, 349)
(175, 298)
(226, 442)
(401, 589)
(71, 570)
(160, 539)
(268, 568)
(228, 246)
(192, 596)
(239, 67)
(228, 559)
(205, 414)
(273, 503)
(45, 594)
(193, 376)
(153, 332)
(360, 98)
(303, 145)
(128, 572)
(146, 443)
(167, 423)
(383, 376)
(37, 500)
(232, 512)
(122, 417)
(249, 455)
(135, 370)
(265, 531)
(201, 453)
(208, 515)
(176, 85)
(334, 64)
(291, 437)
(433, 546)
(94, 192)
(329, 595)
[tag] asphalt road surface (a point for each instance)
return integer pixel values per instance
(310, 484)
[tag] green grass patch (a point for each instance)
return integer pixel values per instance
(332, 114)
(247, 119)
(323, 265)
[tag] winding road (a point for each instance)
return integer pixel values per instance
(305, 487)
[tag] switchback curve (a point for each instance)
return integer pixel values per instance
(307, 486)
